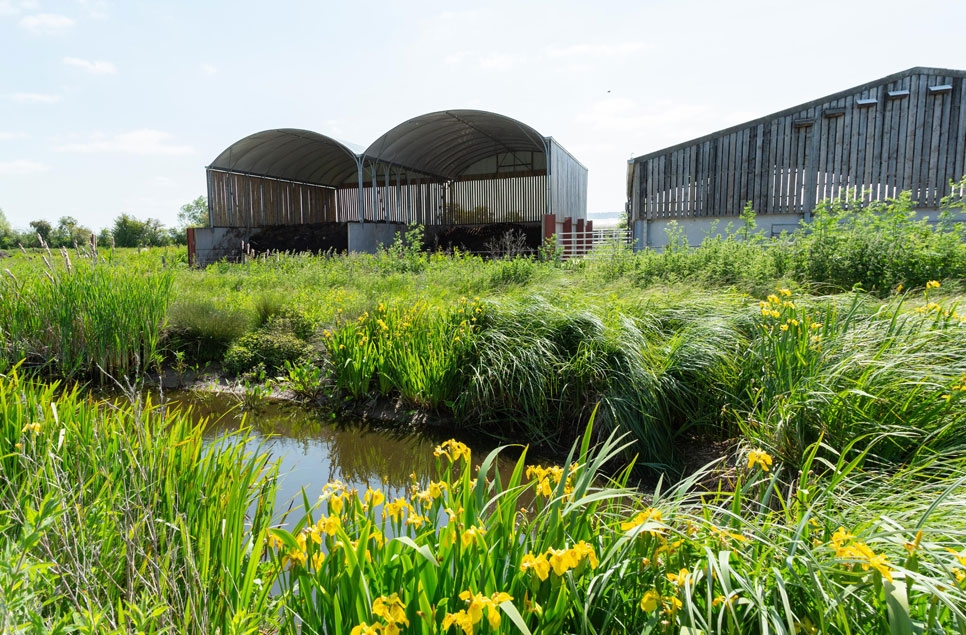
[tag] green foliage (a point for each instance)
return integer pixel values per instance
(69, 233)
(503, 272)
(194, 214)
(878, 246)
(306, 380)
(116, 500)
(77, 317)
(537, 371)
(42, 228)
(7, 235)
(418, 352)
(281, 339)
(128, 231)
(884, 380)
(204, 329)
(405, 254)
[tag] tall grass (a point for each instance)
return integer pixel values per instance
(417, 352)
(75, 317)
(538, 370)
(554, 549)
(886, 378)
(128, 521)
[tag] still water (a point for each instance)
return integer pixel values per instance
(312, 449)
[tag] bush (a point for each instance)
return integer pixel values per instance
(203, 329)
(879, 247)
(282, 339)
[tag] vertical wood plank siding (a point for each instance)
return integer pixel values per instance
(240, 200)
(911, 137)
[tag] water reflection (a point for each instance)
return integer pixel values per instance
(313, 450)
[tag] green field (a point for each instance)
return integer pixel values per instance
(827, 367)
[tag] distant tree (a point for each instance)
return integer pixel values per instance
(128, 231)
(68, 232)
(194, 214)
(42, 228)
(104, 238)
(7, 236)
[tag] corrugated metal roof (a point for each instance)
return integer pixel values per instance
(444, 144)
(294, 155)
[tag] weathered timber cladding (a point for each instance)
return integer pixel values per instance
(903, 132)
(243, 200)
(240, 200)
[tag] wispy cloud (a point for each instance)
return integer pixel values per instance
(35, 98)
(209, 69)
(46, 23)
(500, 62)
(660, 123)
(96, 9)
(21, 167)
(7, 136)
(145, 142)
(9, 7)
(586, 49)
(94, 67)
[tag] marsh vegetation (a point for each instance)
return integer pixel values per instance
(828, 367)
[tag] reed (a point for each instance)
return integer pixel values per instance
(848, 368)
(135, 525)
(74, 318)
(554, 549)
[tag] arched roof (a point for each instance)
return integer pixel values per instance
(292, 155)
(446, 143)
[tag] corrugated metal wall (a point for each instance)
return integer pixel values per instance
(238, 200)
(906, 133)
(568, 184)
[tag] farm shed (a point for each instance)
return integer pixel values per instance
(903, 132)
(442, 170)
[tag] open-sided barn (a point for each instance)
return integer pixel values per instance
(296, 189)
(904, 132)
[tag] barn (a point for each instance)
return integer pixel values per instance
(904, 132)
(462, 174)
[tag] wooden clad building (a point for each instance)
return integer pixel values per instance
(904, 132)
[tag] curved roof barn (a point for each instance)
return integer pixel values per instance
(296, 155)
(448, 143)
(441, 168)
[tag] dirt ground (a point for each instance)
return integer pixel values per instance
(481, 238)
(314, 238)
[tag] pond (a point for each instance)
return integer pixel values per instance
(313, 448)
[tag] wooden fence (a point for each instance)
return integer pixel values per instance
(903, 132)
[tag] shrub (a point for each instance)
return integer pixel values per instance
(203, 329)
(879, 247)
(271, 346)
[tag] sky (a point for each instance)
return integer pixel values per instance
(111, 107)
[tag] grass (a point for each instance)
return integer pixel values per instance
(75, 317)
(112, 507)
(832, 361)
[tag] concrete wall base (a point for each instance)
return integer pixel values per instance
(212, 244)
(654, 234)
(367, 237)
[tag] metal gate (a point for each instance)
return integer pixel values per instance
(595, 242)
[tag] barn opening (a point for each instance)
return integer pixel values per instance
(461, 174)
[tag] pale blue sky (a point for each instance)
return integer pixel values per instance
(110, 107)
